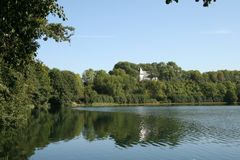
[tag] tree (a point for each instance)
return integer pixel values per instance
(157, 90)
(89, 94)
(210, 91)
(22, 23)
(88, 76)
(205, 2)
(238, 91)
(195, 76)
(230, 96)
(38, 83)
(100, 82)
(14, 100)
(74, 85)
(23, 81)
(169, 71)
(220, 76)
(67, 87)
(129, 68)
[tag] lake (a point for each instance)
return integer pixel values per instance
(128, 133)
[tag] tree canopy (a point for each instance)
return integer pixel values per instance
(22, 23)
(24, 82)
(174, 85)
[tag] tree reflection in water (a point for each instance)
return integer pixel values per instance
(126, 129)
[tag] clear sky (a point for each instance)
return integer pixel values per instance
(146, 31)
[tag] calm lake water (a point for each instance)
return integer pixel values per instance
(129, 133)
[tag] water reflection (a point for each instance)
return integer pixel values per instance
(42, 129)
(127, 127)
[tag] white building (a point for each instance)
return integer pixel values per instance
(144, 75)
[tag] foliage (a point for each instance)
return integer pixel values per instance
(14, 101)
(230, 96)
(67, 87)
(38, 84)
(173, 85)
(88, 76)
(22, 23)
(20, 93)
(24, 82)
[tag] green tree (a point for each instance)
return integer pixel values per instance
(238, 92)
(195, 76)
(38, 83)
(129, 68)
(74, 85)
(24, 81)
(88, 76)
(67, 87)
(220, 76)
(14, 100)
(230, 96)
(22, 23)
(157, 90)
(100, 82)
(210, 91)
(89, 94)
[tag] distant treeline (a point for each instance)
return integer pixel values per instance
(174, 85)
(43, 88)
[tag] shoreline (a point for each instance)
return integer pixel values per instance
(154, 104)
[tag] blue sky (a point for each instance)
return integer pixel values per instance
(146, 31)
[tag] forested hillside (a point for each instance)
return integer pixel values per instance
(174, 85)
